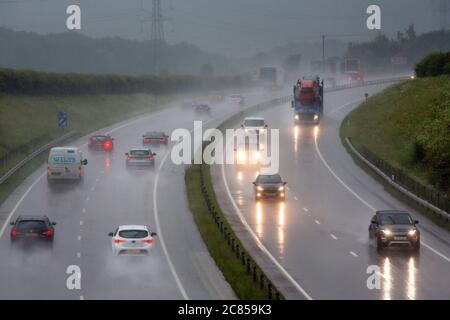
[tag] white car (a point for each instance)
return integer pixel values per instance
(142, 156)
(254, 125)
(131, 240)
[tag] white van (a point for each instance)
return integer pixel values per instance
(65, 163)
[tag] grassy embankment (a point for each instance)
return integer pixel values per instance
(406, 125)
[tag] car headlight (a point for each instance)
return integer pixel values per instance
(387, 232)
(412, 232)
(246, 130)
(296, 117)
(316, 117)
(281, 188)
(259, 188)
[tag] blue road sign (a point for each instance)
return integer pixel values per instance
(62, 119)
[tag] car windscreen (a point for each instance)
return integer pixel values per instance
(254, 123)
(269, 179)
(157, 135)
(139, 153)
(389, 219)
(98, 138)
(31, 225)
(133, 234)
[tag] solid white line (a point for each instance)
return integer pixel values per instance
(158, 230)
(18, 204)
(333, 236)
(317, 221)
(364, 201)
(353, 254)
(259, 243)
(346, 105)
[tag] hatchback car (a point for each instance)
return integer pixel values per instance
(29, 229)
(131, 240)
(394, 228)
(269, 186)
(140, 157)
(155, 138)
(101, 143)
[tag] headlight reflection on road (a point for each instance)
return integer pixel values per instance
(281, 229)
(296, 134)
(240, 176)
(411, 289)
(107, 163)
(387, 277)
(316, 132)
(259, 219)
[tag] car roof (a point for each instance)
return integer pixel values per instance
(391, 212)
(63, 149)
(254, 118)
(154, 133)
(100, 136)
(132, 227)
(140, 149)
(32, 217)
(269, 175)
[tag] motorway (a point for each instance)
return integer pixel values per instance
(319, 234)
(179, 266)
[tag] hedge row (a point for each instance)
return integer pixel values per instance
(433, 64)
(40, 83)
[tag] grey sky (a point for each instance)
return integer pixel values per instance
(233, 27)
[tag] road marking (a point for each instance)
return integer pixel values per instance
(353, 254)
(346, 105)
(295, 198)
(258, 242)
(84, 210)
(317, 221)
(81, 222)
(79, 238)
(357, 196)
(88, 198)
(78, 255)
(333, 236)
(160, 235)
(81, 298)
(305, 209)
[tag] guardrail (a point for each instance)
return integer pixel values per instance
(431, 199)
(239, 252)
(33, 154)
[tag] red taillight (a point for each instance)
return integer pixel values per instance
(130, 158)
(118, 241)
(107, 145)
(13, 233)
(162, 140)
(149, 158)
(147, 241)
(48, 233)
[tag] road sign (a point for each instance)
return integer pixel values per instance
(62, 119)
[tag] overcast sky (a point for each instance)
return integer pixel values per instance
(232, 27)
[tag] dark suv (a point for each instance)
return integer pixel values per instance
(30, 229)
(269, 186)
(394, 228)
(101, 143)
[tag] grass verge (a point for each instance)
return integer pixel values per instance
(233, 270)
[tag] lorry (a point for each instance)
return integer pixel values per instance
(308, 100)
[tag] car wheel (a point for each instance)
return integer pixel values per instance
(380, 245)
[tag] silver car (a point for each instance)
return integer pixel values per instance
(142, 156)
(131, 240)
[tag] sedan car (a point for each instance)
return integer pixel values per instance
(131, 240)
(269, 186)
(394, 228)
(155, 138)
(101, 143)
(201, 108)
(28, 229)
(140, 157)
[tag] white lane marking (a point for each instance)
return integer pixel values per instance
(79, 238)
(317, 221)
(258, 242)
(78, 255)
(13, 211)
(357, 196)
(295, 198)
(353, 254)
(333, 236)
(81, 298)
(84, 210)
(81, 222)
(158, 229)
(305, 209)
